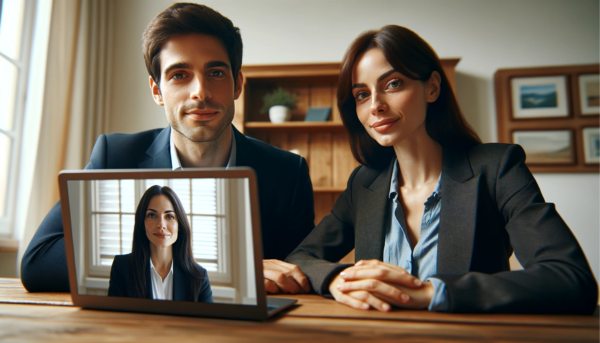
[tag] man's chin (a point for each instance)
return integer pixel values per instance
(200, 134)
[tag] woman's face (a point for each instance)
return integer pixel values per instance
(161, 222)
(390, 105)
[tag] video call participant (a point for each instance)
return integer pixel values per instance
(193, 55)
(161, 264)
(434, 214)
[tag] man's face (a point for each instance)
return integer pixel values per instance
(196, 86)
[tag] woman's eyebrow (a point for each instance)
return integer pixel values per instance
(151, 210)
(167, 211)
(386, 74)
(379, 79)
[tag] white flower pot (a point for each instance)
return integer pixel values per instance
(279, 114)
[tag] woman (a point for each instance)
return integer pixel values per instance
(161, 264)
(433, 214)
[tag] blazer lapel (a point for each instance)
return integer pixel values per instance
(242, 157)
(149, 293)
(459, 196)
(374, 197)
(180, 287)
(159, 152)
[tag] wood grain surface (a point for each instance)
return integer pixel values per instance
(314, 319)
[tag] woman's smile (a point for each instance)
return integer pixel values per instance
(383, 125)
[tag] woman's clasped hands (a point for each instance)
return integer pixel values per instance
(380, 285)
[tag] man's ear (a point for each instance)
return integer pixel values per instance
(156, 92)
(238, 85)
(433, 87)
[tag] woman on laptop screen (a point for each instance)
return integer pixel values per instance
(161, 264)
(434, 214)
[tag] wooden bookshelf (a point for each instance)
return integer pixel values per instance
(324, 145)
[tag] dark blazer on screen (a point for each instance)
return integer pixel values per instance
(491, 204)
(284, 190)
(121, 284)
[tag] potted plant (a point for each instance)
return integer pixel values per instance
(280, 104)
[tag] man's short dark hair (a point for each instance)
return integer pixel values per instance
(187, 18)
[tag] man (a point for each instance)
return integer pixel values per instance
(193, 55)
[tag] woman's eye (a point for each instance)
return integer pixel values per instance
(361, 96)
(394, 84)
(150, 215)
(170, 216)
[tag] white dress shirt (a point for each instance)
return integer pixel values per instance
(161, 289)
(176, 164)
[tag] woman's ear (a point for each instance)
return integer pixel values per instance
(433, 87)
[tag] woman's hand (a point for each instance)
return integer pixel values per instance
(377, 284)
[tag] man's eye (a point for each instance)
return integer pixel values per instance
(394, 84)
(217, 73)
(178, 76)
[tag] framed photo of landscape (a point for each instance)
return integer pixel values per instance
(552, 112)
(589, 94)
(539, 97)
(546, 146)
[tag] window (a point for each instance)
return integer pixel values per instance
(112, 215)
(13, 60)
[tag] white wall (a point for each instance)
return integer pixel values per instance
(487, 35)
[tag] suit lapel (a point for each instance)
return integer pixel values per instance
(159, 153)
(374, 199)
(242, 157)
(459, 196)
(149, 292)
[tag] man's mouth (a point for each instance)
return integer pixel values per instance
(202, 115)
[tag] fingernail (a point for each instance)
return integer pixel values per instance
(343, 274)
(418, 282)
(365, 306)
(405, 297)
(386, 307)
(339, 286)
(361, 262)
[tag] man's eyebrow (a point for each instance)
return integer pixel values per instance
(214, 64)
(379, 79)
(179, 65)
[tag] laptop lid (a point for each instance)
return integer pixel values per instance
(112, 230)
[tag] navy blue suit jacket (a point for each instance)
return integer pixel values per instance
(491, 204)
(284, 190)
(121, 284)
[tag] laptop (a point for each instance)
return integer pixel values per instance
(221, 207)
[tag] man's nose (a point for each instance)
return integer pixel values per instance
(200, 89)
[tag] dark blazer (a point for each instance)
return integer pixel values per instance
(491, 204)
(284, 190)
(121, 284)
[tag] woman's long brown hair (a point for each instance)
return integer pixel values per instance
(411, 56)
(182, 248)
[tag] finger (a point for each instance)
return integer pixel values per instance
(382, 273)
(271, 287)
(378, 288)
(301, 279)
(370, 299)
(368, 263)
(352, 302)
(276, 265)
(285, 283)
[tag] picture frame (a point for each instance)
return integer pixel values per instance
(589, 94)
(570, 100)
(591, 144)
(546, 146)
(539, 97)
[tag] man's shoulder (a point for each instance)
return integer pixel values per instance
(140, 138)
(263, 151)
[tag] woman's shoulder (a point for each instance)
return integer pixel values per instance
(491, 154)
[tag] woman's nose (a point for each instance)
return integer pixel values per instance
(378, 104)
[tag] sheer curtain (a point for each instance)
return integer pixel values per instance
(74, 104)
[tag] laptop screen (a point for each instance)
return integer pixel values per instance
(186, 239)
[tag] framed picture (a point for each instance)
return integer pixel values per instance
(546, 147)
(538, 97)
(589, 94)
(551, 112)
(591, 144)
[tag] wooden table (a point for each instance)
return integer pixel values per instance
(54, 319)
